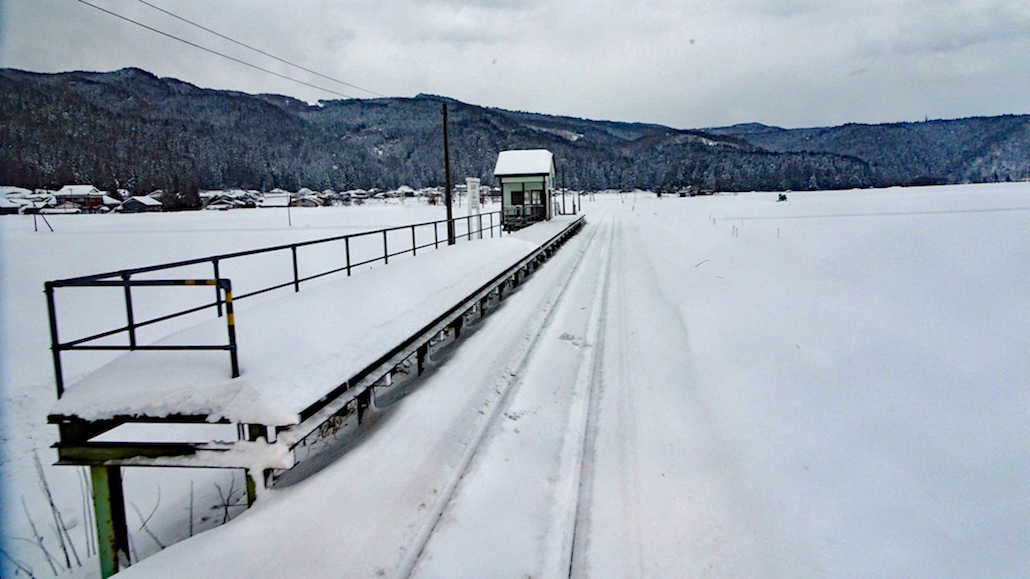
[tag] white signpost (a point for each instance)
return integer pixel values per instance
(472, 187)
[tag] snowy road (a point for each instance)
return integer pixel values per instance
(711, 387)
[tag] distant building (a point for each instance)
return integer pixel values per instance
(84, 197)
(141, 204)
(111, 203)
(274, 200)
(8, 207)
(527, 187)
(309, 201)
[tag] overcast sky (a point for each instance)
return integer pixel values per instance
(682, 63)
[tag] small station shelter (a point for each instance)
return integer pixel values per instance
(526, 179)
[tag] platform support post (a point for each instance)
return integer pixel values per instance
(364, 401)
(420, 356)
(112, 531)
(456, 326)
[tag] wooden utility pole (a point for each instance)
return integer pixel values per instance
(447, 179)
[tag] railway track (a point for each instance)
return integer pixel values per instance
(540, 433)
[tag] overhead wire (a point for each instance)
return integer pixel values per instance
(215, 52)
(258, 50)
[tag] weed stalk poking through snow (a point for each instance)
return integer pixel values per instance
(59, 527)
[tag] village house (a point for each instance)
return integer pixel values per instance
(228, 199)
(307, 201)
(84, 197)
(141, 204)
(271, 200)
(110, 203)
(9, 207)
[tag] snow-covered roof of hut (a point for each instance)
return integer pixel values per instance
(525, 162)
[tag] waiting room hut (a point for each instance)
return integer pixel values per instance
(527, 185)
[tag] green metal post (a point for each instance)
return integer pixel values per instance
(112, 531)
(248, 478)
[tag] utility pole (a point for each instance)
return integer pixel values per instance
(565, 189)
(447, 179)
(562, 170)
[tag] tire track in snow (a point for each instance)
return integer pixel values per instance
(675, 500)
(590, 375)
(636, 265)
(519, 362)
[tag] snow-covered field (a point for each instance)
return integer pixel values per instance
(723, 386)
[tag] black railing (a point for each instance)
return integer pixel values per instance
(223, 288)
(520, 216)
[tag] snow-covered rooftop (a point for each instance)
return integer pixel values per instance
(274, 200)
(148, 201)
(525, 162)
(78, 190)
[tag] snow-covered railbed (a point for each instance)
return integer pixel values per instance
(520, 496)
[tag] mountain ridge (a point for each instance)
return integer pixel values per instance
(131, 129)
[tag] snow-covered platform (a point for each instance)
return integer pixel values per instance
(302, 358)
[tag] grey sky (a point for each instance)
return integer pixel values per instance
(683, 63)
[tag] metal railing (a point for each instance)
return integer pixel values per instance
(223, 288)
(520, 216)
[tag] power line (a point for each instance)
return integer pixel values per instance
(205, 49)
(258, 50)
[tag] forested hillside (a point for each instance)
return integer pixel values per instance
(133, 130)
(984, 149)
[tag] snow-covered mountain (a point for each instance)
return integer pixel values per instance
(130, 129)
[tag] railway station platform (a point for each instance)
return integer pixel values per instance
(302, 359)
